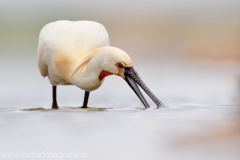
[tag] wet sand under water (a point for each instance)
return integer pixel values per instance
(200, 121)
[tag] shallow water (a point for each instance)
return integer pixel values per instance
(200, 119)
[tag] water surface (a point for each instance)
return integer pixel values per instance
(200, 119)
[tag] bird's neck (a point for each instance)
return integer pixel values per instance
(88, 78)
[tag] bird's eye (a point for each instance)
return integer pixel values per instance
(120, 65)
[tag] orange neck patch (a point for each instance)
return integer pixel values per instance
(104, 74)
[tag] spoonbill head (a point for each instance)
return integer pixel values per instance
(78, 53)
(101, 62)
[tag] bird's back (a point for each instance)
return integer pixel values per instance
(63, 44)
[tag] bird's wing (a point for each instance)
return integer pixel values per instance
(63, 44)
(41, 63)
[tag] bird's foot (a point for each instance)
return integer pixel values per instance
(55, 106)
(84, 107)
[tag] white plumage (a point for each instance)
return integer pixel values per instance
(78, 53)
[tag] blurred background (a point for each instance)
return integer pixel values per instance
(187, 52)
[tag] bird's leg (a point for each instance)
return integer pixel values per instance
(86, 96)
(54, 103)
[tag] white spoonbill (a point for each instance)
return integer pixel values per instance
(78, 53)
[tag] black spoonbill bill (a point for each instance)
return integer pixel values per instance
(78, 53)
